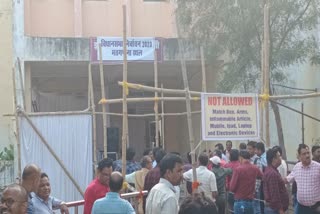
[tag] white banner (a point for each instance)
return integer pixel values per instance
(138, 48)
(229, 116)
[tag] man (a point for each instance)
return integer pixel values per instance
(99, 186)
(243, 184)
(261, 163)
(112, 203)
(275, 192)
(43, 202)
(228, 149)
(220, 147)
(221, 174)
(242, 146)
(162, 199)
(306, 173)
(153, 176)
(206, 178)
(234, 163)
(198, 204)
(30, 181)
(14, 200)
(283, 168)
(132, 166)
(251, 148)
(137, 178)
(316, 153)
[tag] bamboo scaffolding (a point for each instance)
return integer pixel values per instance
(147, 99)
(43, 140)
(295, 96)
(159, 90)
(124, 94)
(204, 88)
(94, 118)
(162, 119)
(188, 107)
(156, 110)
(261, 102)
(267, 69)
(104, 117)
(21, 84)
(17, 134)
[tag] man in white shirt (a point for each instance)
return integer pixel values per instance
(162, 198)
(206, 178)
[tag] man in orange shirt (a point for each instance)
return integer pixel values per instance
(99, 186)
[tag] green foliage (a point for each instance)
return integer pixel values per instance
(7, 153)
(234, 29)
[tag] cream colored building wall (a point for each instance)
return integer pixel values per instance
(60, 18)
(6, 86)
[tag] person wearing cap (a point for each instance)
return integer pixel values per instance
(205, 177)
(221, 174)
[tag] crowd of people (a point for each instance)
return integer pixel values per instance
(247, 180)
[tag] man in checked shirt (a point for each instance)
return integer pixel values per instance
(307, 175)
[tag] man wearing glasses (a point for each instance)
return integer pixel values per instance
(14, 200)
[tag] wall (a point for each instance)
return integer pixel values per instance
(77, 18)
(6, 65)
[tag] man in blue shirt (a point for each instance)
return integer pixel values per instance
(43, 202)
(112, 203)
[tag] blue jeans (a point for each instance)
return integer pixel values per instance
(256, 203)
(295, 203)
(243, 207)
(269, 210)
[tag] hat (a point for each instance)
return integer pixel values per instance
(215, 160)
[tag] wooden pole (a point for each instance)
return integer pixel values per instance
(124, 94)
(146, 99)
(261, 103)
(17, 134)
(302, 121)
(204, 86)
(156, 110)
(267, 67)
(94, 119)
(162, 119)
(51, 151)
(104, 116)
(89, 88)
(21, 84)
(188, 107)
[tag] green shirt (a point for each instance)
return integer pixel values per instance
(221, 174)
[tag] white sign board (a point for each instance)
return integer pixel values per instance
(138, 48)
(229, 116)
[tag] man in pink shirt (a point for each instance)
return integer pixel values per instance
(99, 186)
(307, 175)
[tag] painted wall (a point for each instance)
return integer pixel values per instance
(6, 65)
(77, 18)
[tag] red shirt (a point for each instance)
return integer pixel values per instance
(243, 180)
(232, 165)
(94, 191)
(275, 191)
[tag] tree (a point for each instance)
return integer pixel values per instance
(234, 29)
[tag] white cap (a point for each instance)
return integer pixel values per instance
(215, 160)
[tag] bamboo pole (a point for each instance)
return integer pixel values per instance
(104, 117)
(295, 96)
(146, 99)
(188, 107)
(261, 103)
(162, 119)
(17, 134)
(21, 84)
(156, 110)
(24, 114)
(204, 85)
(94, 119)
(124, 94)
(267, 68)
(52, 113)
(159, 90)
(89, 88)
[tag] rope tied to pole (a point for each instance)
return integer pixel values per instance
(125, 86)
(264, 97)
(195, 185)
(103, 101)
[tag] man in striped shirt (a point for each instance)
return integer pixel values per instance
(307, 175)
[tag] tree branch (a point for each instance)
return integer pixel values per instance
(293, 24)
